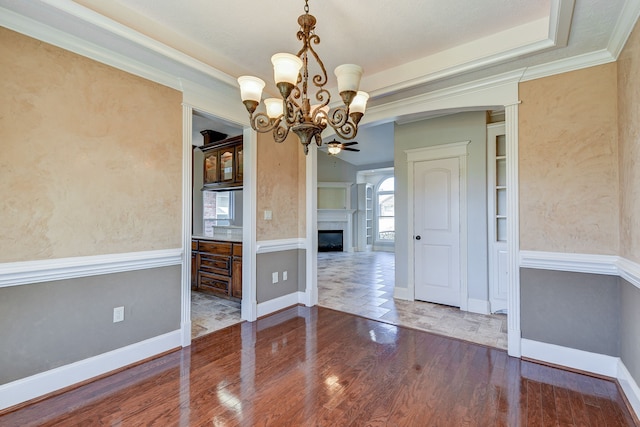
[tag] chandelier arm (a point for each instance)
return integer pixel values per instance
(260, 122)
(280, 133)
(319, 80)
(338, 117)
(347, 131)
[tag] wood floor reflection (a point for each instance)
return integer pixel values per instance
(319, 367)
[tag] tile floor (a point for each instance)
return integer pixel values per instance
(211, 313)
(362, 283)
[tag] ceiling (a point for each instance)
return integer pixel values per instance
(405, 47)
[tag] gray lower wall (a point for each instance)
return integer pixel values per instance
(630, 328)
(575, 310)
(47, 325)
(289, 261)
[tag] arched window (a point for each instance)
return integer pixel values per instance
(386, 211)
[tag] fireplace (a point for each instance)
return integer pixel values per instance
(330, 241)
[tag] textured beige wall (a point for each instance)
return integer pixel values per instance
(90, 156)
(629, 146)
(568, 162)
(278, 187)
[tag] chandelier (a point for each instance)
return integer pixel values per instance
(295, 110)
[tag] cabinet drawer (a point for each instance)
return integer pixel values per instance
(237, 249)
(215, 264)
(217, 248)
(213, 282)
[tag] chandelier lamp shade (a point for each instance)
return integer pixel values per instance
(304, 106)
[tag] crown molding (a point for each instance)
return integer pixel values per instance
(48, 34)
(626, 22)
(93, 18)
(573, 63)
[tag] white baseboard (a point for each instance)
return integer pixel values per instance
(279, 303)
(402, 293)
(629, 387)
(478, 306)
(571, 358)
(600, 364)
(25, 389)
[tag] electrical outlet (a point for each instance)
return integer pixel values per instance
(274, 277)
(284, 275)
(118, 314)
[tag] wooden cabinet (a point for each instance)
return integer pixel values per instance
(217, 268)
(236, 271)
(223, 163)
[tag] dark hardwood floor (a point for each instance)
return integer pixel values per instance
(319, 367)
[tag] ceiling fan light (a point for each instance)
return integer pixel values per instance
(359, 103)
(274, 107)
(348, 76)
(286, 68)
(251, 88)
(334, 149)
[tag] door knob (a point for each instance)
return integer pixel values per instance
(418, 237)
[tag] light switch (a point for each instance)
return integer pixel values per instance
(274, 277)
(268, 215)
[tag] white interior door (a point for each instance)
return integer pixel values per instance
(437, 231)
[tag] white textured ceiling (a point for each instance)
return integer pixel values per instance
(403, 45)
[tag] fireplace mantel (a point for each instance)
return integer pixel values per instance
(338, 219)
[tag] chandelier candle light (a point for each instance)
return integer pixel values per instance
(294, 111)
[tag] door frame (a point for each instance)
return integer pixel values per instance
(459, 150)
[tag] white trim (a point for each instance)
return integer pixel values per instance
(629, 271)
(311, 229)
(28, 272)
(90, 17)
(187, 215)
(280, 303)
(600, 364)
(610, 265)
(28, 388)
(513, 231)
(478, 306)
(459, 150)
(566, 65)
(435, 152)
(629, 387)
(501, 89)
(267, 246)
(48, 34)
(626, 22)
(249, 305)
(581, 263)
(402, 293)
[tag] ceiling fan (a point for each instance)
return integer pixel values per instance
(335, 147)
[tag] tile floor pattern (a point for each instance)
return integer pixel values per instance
(211, 313)
(362, 283)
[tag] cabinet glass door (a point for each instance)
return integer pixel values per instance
(211, 167)
(226, 164)
(239, 164)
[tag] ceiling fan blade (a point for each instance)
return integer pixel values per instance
(350, 149)
(346, 144)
